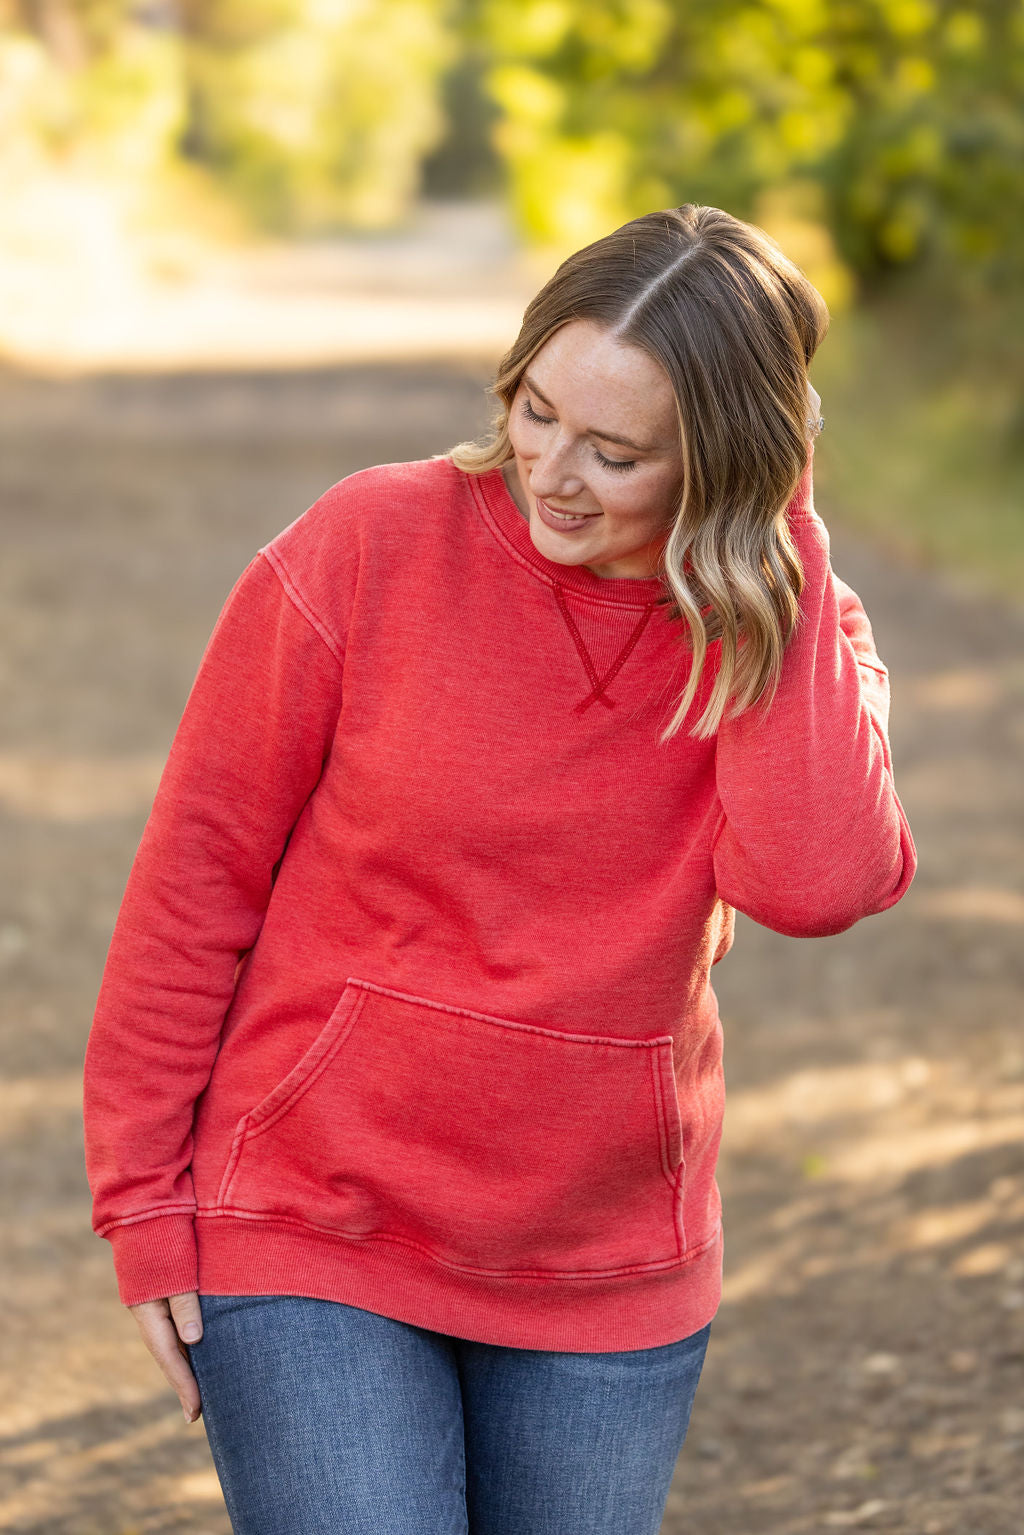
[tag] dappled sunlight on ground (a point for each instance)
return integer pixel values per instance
(452, 284)
(78, 788)
(973, 903)
(60, 1474)
(865, 1367)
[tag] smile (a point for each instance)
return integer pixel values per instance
(550, 515)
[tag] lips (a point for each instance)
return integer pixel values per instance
(555, 517)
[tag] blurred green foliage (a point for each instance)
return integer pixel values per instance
(897, 123)
(314, 114)
(902, 117)
(317, 112)
(881, 142)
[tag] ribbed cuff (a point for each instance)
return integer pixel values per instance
(154, 1258)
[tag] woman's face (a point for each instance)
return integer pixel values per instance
(595, 432)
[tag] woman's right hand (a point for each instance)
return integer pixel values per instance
(166, 1326)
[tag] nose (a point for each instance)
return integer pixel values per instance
(552, 472)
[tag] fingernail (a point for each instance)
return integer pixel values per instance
(188, 1415)
(191, 1332)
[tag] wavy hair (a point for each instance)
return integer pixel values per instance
(734, 324)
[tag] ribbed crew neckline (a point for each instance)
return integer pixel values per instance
(512, 531)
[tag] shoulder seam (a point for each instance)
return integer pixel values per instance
(284, 575)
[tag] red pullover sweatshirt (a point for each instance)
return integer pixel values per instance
(407, 1004)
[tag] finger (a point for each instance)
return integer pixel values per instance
(161, 1338)
(187, 1316)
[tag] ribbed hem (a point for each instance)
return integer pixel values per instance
(154, 1257)
(393, 1279)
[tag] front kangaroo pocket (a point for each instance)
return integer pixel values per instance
(490, 1144)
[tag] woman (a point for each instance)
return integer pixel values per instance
(404, 1091)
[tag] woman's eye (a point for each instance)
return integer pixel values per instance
(615, 463)
(622, 466)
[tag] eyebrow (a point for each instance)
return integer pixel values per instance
(593, 431)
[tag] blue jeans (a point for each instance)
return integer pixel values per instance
(324, 1419)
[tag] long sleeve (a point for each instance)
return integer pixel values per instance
(812, 836)
(248, 752)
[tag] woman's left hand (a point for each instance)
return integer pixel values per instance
(813, 411)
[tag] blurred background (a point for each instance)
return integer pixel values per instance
(249, 246)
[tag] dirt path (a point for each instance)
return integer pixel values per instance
(866, 1366)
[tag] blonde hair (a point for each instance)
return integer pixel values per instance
(734, 323)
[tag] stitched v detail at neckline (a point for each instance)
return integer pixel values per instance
(598, 684)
